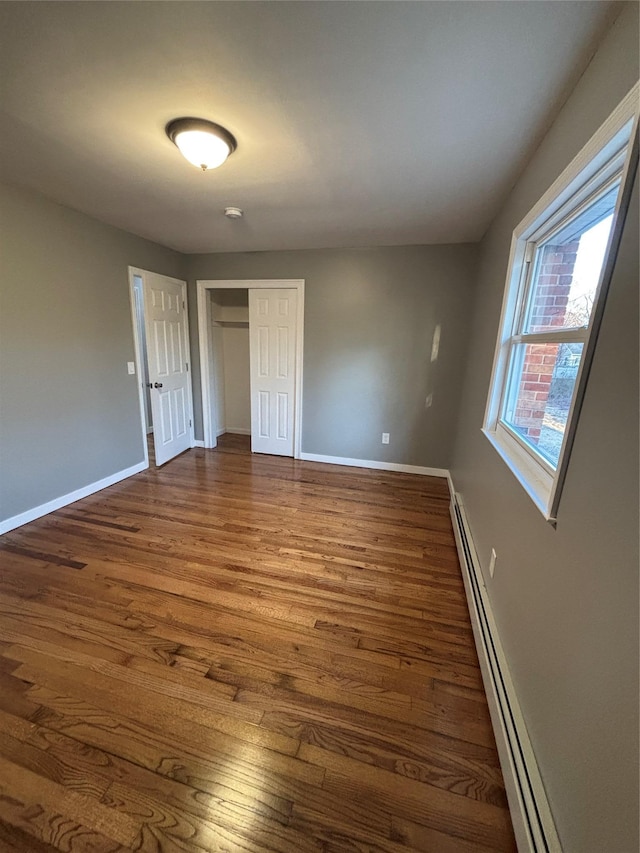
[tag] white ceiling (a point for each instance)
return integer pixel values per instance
(358, 123)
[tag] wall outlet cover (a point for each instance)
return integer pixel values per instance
(385, 438)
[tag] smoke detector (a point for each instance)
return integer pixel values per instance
(233, 212)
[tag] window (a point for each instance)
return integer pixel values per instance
(561, 260)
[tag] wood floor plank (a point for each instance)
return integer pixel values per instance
(140, 778)
(211, 762)
(13, 698)
(52, 767)
(16, 727)
(480, 823)
(238, 652)
(41, 557)
(419, 837)
(214, 822)
(207, 694)
(59, 816)
(439, 761)
(337, 835)
(194, 724)
(379, 712)
(13, 839)
(94, 636)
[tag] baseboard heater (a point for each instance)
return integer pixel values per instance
(530, 813)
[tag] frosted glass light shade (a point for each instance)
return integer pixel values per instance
(202, 149)
(203, 143)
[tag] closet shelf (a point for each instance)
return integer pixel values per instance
(225, 314)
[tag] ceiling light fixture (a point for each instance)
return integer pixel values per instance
(201, 142)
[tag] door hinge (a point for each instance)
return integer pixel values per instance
(183, 305)
(186, 364)
(189, 423)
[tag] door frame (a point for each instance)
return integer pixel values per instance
(207, 357)
(138, 353)
(140, 333)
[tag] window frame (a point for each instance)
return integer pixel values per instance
(610, 155)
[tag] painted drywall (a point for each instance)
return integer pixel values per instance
(237, 393)
(217, 373)
(69, 412)
(231, 371)
(370, 315)
(566, 599)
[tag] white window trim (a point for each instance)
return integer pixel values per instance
(541, 482)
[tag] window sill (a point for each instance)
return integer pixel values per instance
(533, 478)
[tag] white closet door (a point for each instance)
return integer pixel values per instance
(272, 339)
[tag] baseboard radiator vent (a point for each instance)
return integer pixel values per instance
(532, 820)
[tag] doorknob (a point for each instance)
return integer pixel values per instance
(157, 384)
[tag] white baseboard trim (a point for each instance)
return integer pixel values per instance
(197, 442)
(57, 503)
(528, 804)
(452, 491)
(380, 466)
(238, 431)
(220, 432)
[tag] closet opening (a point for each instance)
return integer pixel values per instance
(251, 339)
(231, 386)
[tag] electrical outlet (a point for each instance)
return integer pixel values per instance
(429, 401)
(492, 562)
(385, 438)
(131, 368)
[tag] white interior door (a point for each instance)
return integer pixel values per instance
(168, 354)
(272, 344)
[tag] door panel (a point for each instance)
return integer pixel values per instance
(263, 414)
(283, 420)
(272, 333)
(263, 351)
(283, 352)
(166, 328)
(166, 432)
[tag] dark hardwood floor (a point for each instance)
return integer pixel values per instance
(244, 653)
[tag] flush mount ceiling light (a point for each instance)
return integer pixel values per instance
(201, 142)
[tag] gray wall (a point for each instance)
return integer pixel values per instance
(369, 321)
(566, 600)
(69, 413)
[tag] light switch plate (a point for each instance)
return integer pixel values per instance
(131, 368)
